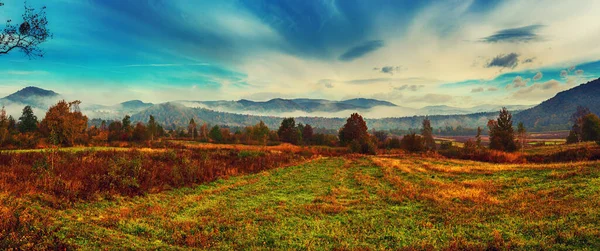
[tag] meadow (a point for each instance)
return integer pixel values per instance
(210, 196)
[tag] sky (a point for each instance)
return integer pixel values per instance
(412, 53)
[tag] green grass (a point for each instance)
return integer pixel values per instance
(352, 203)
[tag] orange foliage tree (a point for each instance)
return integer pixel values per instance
(64, 124)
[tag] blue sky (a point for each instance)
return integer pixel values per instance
(412, 53)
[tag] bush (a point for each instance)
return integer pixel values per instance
(412, 143)
(364, 146)
(445, 145)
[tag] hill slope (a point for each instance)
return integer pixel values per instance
(554, 113)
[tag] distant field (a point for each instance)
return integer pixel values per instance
(369, 203)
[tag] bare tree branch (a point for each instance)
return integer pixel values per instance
(28, 35)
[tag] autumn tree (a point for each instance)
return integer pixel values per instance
(413, 143)
(115, 131)
(355, 135)
(28, 122)
(427, 133)
(27, 34)
(354, 129)
(140, 132)
(64, 125)
(501, 132)
(288, 132)
(204, 132)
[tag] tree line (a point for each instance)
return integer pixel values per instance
(65, 125)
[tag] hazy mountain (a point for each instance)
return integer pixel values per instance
(175, 115)
(33, 96)
(367, 103)
(449, 110)
(279, 105)
(554, 113)
(117, 111)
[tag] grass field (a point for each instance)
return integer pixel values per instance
(343, 203)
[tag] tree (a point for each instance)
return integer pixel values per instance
(126, 128)
(4, 132)
(115, 131)
(381, 137)
(575, 135)
(152, 128)
(64, 126)
(192, 129)
(204, 132)
(427, 133)
(413, 143)
(288, 132)
(478, 138)
(501, 132)
(354, 129)
(215, 134)
(590, 128)
(140, 133)
(522, 134)
(307, 134)
(355, 135)
(26, 36)
(28, 121)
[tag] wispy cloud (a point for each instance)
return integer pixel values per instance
(516, 35)
(361, 50)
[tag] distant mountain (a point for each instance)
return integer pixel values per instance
(175, 115)
(279, 105)
(554, 113)
(366, 103)
(35, 97)
(117, 111)
(135, 104)
(449, 110)
(30, 92)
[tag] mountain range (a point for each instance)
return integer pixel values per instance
(552, 114)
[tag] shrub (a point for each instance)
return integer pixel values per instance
(412, 143)
(364, 146)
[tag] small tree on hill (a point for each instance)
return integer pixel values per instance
(501, 132)
(427, 133)
(28, 121)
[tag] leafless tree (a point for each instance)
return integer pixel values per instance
(27, 35)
